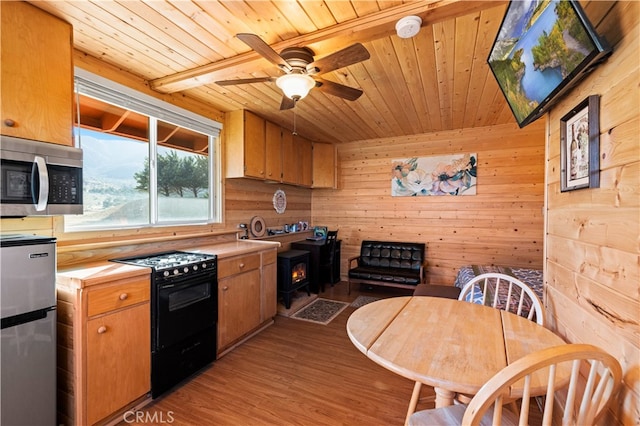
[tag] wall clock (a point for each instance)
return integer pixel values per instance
(280, 201)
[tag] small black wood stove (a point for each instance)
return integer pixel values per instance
(293, 273)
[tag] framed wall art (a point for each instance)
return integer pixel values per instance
(437, 175)
(580, 146)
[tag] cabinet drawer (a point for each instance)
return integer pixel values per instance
(114, 297)
(235, 265)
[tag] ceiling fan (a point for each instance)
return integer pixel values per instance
(302, 71)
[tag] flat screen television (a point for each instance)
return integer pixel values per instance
(543, 48)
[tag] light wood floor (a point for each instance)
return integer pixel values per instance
(292, 373)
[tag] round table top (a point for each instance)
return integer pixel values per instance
(445, 343)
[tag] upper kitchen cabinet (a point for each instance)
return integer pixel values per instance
(273, 152)
(296, 160)
(260, 149)
(36, 74)
(304, 150)
(324, 165)
(245, 145)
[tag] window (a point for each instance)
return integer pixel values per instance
(146, 162)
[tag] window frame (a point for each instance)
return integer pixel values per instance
(100, 88)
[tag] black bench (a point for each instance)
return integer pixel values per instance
(389, 264)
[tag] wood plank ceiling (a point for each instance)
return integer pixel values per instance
(438, 80)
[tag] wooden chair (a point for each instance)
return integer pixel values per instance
(328, 267)
(592, 377)
(504, 292)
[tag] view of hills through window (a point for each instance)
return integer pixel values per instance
(118, 177)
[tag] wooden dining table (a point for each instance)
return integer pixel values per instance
(452, 345)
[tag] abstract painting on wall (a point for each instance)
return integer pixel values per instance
(440, 175)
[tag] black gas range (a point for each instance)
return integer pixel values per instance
(184, 314)
(174, 264)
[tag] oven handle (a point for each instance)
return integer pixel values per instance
(179, 281)
(177, 287)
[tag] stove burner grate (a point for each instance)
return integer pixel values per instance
(173, 263)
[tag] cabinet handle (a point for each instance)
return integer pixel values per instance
(225, 288)
(241, 265)
(102, 329)
(9, 122)
(124, 296)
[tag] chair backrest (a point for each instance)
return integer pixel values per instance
(504, 292)
(592, 376)
(330, 241)
(388, 254)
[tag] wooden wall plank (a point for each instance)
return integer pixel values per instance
(592, 260)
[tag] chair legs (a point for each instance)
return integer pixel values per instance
(442, 398)
(413, 403)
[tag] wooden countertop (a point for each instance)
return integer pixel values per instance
(89, 274)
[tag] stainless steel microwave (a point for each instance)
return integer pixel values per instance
(38, 178)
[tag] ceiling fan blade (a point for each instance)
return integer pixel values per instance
(337, 89)
(342, 58)
(287, 103)
(261, 47)
(245, 81)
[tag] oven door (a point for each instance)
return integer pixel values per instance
(184, 307)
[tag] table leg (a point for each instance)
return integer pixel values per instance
(414, 401)
(444, 397)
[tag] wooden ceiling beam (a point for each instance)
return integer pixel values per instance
(363, 29)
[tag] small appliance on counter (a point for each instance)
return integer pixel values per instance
(245, 233)
(319, 233)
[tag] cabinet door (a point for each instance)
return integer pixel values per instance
(296, 160)
(289, 160)
(118, 360)
(304, 150)
(324, 165)
(269, 285)
(36, 74)
(238, 306)
(254, 148)
(273, 152)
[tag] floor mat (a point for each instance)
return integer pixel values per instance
(363, 300)
(320, 311)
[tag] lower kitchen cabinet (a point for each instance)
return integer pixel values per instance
(238, 306)
(104, 346)
(246, 296)
(118, 366)
(269, 293)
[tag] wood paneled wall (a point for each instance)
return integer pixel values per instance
(501, 225)
(592, 260)
(246, 198)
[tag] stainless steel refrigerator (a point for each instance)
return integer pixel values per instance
(28, 345)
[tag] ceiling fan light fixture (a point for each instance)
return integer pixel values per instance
(295, 86)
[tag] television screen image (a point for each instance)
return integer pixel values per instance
(542, 48)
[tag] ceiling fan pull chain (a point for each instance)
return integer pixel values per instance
(294, 118)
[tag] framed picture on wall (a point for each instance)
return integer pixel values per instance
(580, 146)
